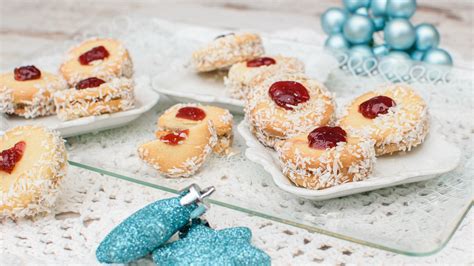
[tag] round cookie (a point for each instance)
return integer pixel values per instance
(326, 157)
(28, 92)
(395, 117)
(287, 105)
(101, 58)
(227, 50)
(179, 153)
(33, 162)
(184, 116)
(245, 76)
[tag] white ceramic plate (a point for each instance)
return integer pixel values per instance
(434, 157)
(145, 99)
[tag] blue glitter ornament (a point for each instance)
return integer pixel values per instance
(336, 42)
(358, 29)
(353, 5)
(379, 23)
(380, 50)
(417, 55)
(202, 245)
(438, 57)
(427, 37)
(401, 8)
(378, 8)
(399, 34)
(333, 19)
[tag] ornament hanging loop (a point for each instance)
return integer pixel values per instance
(194, 194)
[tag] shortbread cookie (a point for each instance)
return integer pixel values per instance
(180, 153)
(326, 157)
(94, 96)
(28, 92)
(395, 117)
(184, 116)
(227, 50)
(102, 58)
(286, 106)
(243, 77)
(33, 161)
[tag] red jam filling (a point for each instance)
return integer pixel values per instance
(288, 93)
(10, 157)
(191, 113)
(96, 53)
(326, 137)
(89, 83)
(26, 73)
(175, 138)
(376, 106)
(261, 61)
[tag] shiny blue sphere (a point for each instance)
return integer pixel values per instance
(427, 37)
(380, 50)
(379, 23)
(401, 8)
(378, 8)
(362, 11)
(417, 55)
(353, 5)
(399, 34)
(438, 57)
(395, 66)
(358, 29)
(336, 42)
(333, 19)
(361, 58)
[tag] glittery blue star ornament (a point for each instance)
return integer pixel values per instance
(202, 245)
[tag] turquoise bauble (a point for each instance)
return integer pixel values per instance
(401, 8)
(438, 57)
(333, 19)
(417, 55)
(395, 66)
(353, 5)
(336, 42)
(378, 8)
(427, 37)
(361, 58)
(380, 50)
(399, 34)
(362, 11)
(379, 23)
(358, 29)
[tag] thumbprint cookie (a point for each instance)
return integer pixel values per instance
(33, 161)
(101, 58)
(226, 50)
(395, 117)
(94, 96)
(28, 92)
(179, 153)
(286, 106)
(326, 157)
(184, 116)
(245, 76)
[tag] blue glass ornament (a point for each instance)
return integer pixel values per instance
(427, 37)
(399, 34)
(336, 42)
(417, 55)
(202, 245)
(401, 8)
(363, 11)
(395, 66)
(353, 5)
(379, 23)
(361, 59)
(358, 29)
(378, 8)
(333, 19)
(437, 56)
(380, 50)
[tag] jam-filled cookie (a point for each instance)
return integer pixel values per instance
(227, 50)
(94, 96)
(184, 116)
(28, 92)
(326, 157)
(245, 76)
(101, 58)
(179, 153)
(395, 117)
(286, 106)
(33, 161)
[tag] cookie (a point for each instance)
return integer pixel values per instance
(326, 157)
(184, 116)
(33, 161)
(102, 58)
(94, 96)
(395, 117)
(180, 153)
(28, 92)
(227, 50)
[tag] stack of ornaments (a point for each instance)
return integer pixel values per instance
(357, 31)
